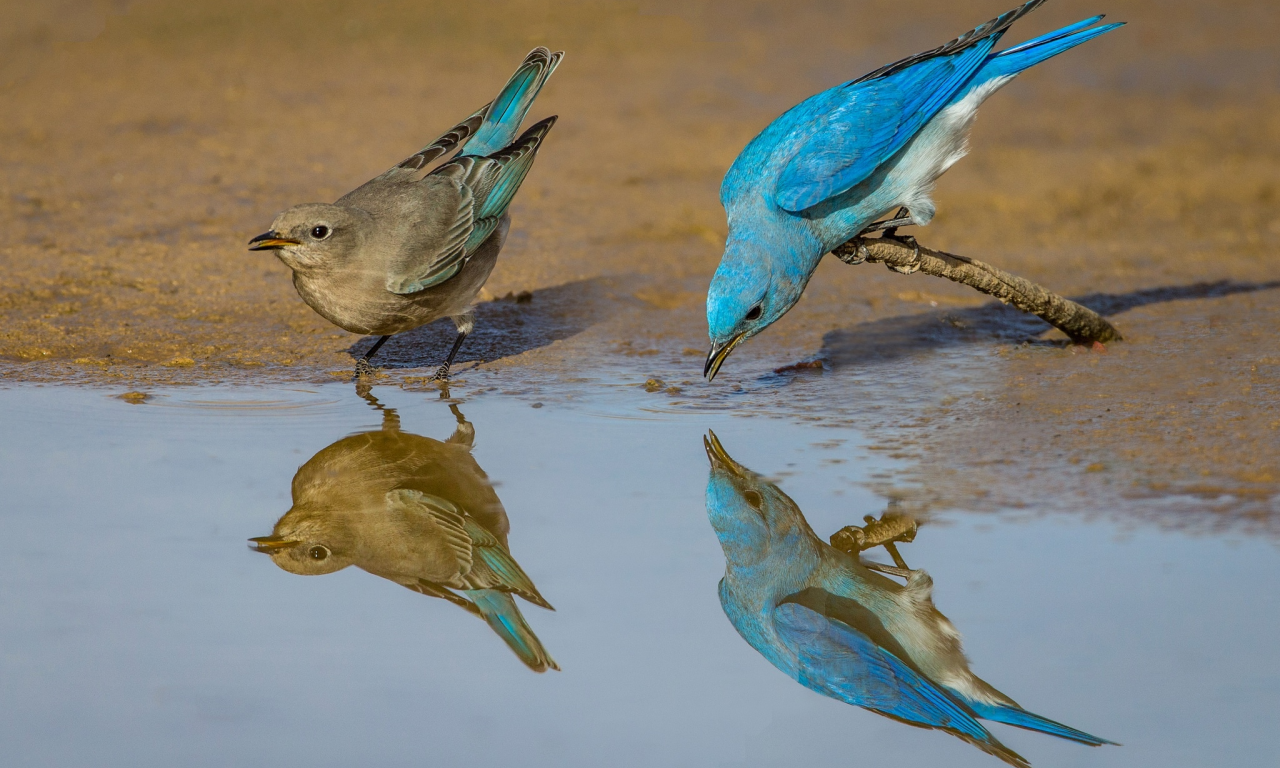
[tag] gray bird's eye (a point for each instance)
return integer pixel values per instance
(755, 313)
(318, 552)
(754, 499)
(320, 232)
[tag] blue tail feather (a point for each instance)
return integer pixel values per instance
(1054, 35)
(504, 618)
(1021, 718)
(1032, 52)
(507, 113)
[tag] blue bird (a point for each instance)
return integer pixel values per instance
(827, 169)
(829, 622)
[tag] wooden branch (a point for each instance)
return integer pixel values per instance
(1079, 323)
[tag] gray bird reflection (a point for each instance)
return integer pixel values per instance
(839, 625)
(416, 511)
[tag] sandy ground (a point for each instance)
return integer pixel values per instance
(142, 144)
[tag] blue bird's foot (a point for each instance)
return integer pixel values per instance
(914, 266)
(903, 573)
(891, 528)
(852, 252)
(900, 219)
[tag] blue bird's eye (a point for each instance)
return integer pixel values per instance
(318, 552)
(755, 313)
(320, 232)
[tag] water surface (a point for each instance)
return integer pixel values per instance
(140, 629)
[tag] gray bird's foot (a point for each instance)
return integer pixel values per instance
(442, 374)
(365, 368)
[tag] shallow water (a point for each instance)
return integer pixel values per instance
(141, 630)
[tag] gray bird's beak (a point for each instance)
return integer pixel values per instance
(272, 239)
(269, 544)
(718, 354)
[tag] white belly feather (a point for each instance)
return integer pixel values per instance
(942, 142)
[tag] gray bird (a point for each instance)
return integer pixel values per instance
(406, 249)
(415, 511)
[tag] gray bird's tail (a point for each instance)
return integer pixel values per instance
(500, 611)
(507, 113)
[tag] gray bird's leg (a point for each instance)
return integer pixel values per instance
(390, 419)
(465, 323)
(363, 366)
(465, 433)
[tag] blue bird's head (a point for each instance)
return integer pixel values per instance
(747, 512)
(751, 290)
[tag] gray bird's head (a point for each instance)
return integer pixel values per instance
(307, 543)
(315, 236)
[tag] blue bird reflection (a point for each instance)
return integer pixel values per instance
(840, 626)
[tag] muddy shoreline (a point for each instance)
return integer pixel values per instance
(140, 150)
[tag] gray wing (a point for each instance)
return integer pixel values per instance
(483, 563)
(486, 187)
(455, 138)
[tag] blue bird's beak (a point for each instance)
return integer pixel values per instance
(720, 458)
(717, 356)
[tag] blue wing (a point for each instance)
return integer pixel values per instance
(875, 116)
(839, 661)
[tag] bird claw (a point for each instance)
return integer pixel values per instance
(365, 368)
(854, 252)
(442, 374)
(905, 269)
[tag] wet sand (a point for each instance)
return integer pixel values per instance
(140, 150)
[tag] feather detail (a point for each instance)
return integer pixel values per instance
(452, 252)
(508, 111)
(431, 589)
(993, 28)
(457, 136)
